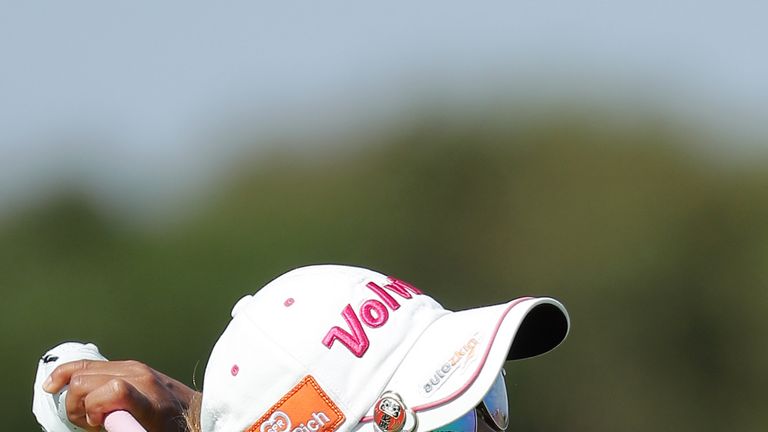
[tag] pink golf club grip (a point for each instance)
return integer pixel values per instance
(122, 421)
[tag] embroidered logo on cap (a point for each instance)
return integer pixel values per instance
(278, 422)
(373, 314)
(459, 359)
(306, 408)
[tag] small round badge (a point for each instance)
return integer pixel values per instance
(389, 413)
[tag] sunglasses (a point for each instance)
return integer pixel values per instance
(491, 415)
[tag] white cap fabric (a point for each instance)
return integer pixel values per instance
(50, 409)
(314, 349)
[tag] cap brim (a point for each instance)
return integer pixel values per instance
(457, 358)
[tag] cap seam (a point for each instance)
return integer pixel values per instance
(330, 388)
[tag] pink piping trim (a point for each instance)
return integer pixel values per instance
(474, 376)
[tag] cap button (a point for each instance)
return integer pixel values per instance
(243, 302)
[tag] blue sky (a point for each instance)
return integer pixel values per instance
(94, 90)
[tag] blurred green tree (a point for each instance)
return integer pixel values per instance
(660, 254)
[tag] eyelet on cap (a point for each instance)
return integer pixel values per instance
(242, 303)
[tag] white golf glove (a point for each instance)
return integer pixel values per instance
(50, 409)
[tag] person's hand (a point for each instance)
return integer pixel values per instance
(97, 388)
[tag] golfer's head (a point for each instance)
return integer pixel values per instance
(338, 348)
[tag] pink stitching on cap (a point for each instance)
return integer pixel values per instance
(403, 289)
(235, 370)
(367, 313)
(289, 301)
(357, 342)
(374, 314)
(404, 286)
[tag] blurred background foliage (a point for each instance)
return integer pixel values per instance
(658, 248)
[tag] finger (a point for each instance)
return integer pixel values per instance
(63, 373)
(116, 394)
(79, 387)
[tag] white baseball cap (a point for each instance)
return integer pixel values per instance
(315, 349)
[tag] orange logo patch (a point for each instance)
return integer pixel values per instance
(306, 408)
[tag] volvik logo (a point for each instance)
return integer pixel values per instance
(306, 408)
(373, 313)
